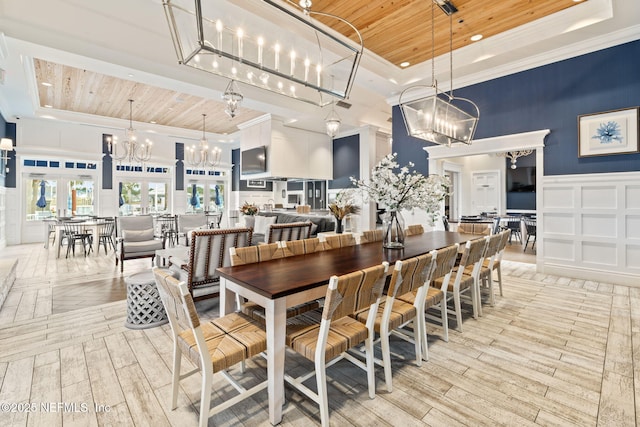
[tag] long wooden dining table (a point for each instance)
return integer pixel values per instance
(279, 284)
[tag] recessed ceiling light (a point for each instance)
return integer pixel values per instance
(47, 106)
(130, 75)
(476, 37)
(47, 84)
(153, 122)
(405, 64)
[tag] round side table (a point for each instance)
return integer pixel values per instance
(144, 306)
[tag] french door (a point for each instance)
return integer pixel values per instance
(144, 196)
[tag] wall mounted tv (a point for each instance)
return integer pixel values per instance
(522, 179)
(254, 160)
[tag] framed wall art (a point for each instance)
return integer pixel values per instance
(609, 132)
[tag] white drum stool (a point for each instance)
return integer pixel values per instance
(144, 306)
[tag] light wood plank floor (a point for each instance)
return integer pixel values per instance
(553, 351)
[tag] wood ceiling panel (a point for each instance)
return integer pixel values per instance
(82, 91)
(401, 30)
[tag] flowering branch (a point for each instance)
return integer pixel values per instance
(404, 190)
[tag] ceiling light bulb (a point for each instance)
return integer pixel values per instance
(476, 37)
(405, 64)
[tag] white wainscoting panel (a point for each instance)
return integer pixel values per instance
(558, 197)
(590, 227)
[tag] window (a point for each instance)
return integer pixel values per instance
(33, 189)
(212, 192)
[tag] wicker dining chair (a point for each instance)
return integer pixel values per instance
(393, 315)
(464, 281)
(212, 347)
(369, 236)
(436, 297)
(327, 340)
(414, 229)
(262, 253)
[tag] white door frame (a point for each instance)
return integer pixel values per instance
(518, 141)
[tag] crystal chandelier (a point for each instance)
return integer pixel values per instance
(440, 118)
(233, 98)
(130, 150)
(201, 157)
(514, 155)
(332, 122)
(281, 48)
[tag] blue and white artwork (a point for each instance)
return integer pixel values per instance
(610, 132)
(606, 134)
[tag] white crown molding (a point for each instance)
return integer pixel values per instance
(498, 144)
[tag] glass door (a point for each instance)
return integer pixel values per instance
(206, 197)
(55, 196)
(139, 197)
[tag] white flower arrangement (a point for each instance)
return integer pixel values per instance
(405, 189)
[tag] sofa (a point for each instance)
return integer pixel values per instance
(320, 224)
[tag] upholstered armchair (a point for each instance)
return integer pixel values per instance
(135, 238)
(188, 223)
(209, 250)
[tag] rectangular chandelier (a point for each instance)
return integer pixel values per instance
(266, 44)
(436, 119)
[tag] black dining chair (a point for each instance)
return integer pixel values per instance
(531, 226)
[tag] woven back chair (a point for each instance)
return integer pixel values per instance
(369, 236)
(312, 245)
(209, 250)
(336, 332)
(414, 229)
(465, 281)
(339, 241)
(261, 253)
(486, 266)
(212, 347)
(435, 297)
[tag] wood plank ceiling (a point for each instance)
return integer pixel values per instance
(397, 30)
(400, 30)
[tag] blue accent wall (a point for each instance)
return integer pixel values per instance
(107, 163)
(346, 161)
(550, 97)
(179, 166)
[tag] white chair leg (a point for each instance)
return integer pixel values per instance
(456, 304)
(323, 402)
(474, 299)
(445, 319)
(492, 300)
(386, 357)
(424, 344)
(205, 396)
(500, 279)
(177, 358)
(371, 376)
(417, 338)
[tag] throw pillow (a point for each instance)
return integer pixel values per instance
(249, 221)
(262, 224)
(137, 235)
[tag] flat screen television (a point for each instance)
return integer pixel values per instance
(254, 160)
(522, 179)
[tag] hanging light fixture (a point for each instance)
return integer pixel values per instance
(440, 118)
(285, 50)
(233, 98)
(130, 150)
(6, 145)
(514, 155)
(332, 122)
(201, 157)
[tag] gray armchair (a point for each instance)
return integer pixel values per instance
(189, 222)
(135, 239)
(209, 250)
